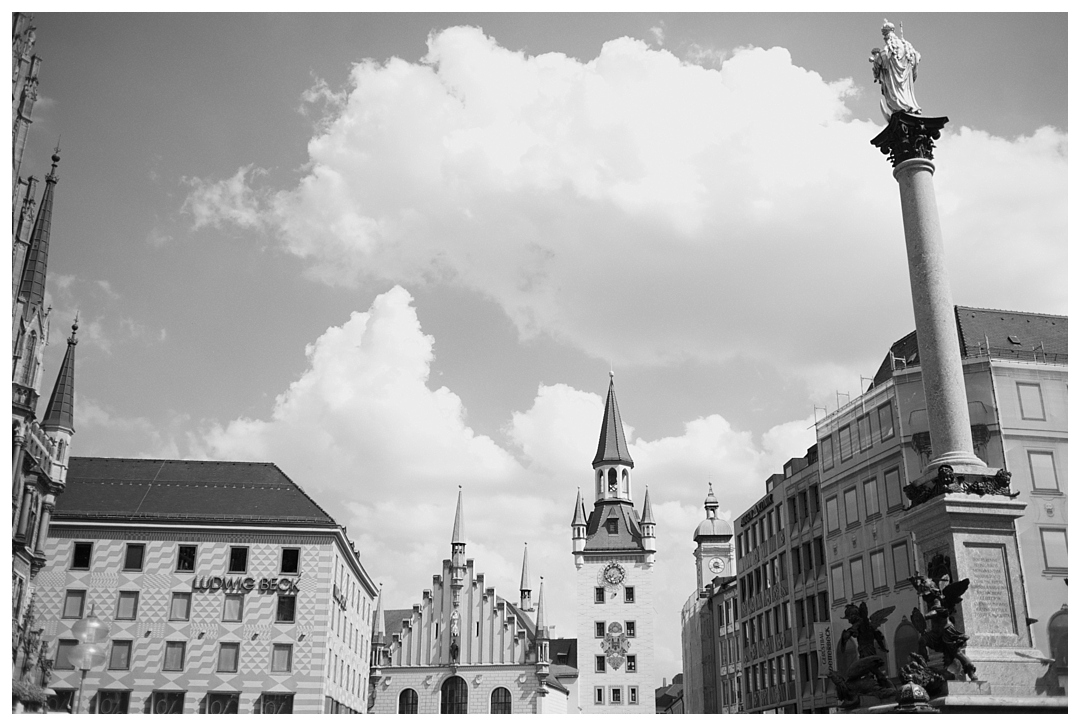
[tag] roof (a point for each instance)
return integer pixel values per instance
(612, 448)
(999, 333)
(392, 619)
(35, 267)
(627, 536)
(563, 656)
(60, 413)
(714, 527)
(646, 510)
(579, 512)
(458, 536)
(170, 489)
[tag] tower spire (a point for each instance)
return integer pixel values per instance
(526, 582)
(60, 413)
(612, 447)
(35, 267)
(458, 537)
(711, 504)
(646, 510)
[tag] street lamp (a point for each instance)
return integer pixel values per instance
(91, 632)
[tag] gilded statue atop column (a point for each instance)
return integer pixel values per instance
(896, 66)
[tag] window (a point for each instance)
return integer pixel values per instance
(885, 422)
(832, 514)
(228, 657)
(598, 694)
(865, 439)
(74, 604)
(238, 559)
(870, 497)
(616, 695)
(110, 702)
(894, 493)
(877, 569)
(133, 557)
(233, 612)
(290, 561)
(1055, 549)
(600, 628)
(631, 629)
(455, 695)
(1031, 401)
(120, 657)
(167, 702)
(851, 507)
(631, 664)
(836, 579)
(598, 594)
(631, 694)
(601, 664)
(628, 594)
(858, 577)
(900, 563)
(500, 701)
(62, 662)
(63, 701)
(180, 606)
(612, 526)
(272, 703)
(185, 558)
(819, 550)
(174, 656)
(408, 701)
(845, 443)
(826, 453)
(127, 605)
(1043, 471)
(286, 609)
(217, 703)
(80, 555)
(281, 658)
(823, 605)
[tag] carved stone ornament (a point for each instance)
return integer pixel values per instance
(947, 482)
(615, 645)
(909, 136)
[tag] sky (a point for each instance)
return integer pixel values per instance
(399, 254)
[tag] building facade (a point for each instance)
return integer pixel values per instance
(1016, 377)
(615, 557)
(464, 649)
(226, 588)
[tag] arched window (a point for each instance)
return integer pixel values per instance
(407, 701)
(455, 695)
(29, 362)
(599, 483)
(1058, 630)
(500, 701)
(613, 480)
(905, 642)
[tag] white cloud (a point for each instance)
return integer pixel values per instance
(645, 188)
(362, 431)
(657, 32)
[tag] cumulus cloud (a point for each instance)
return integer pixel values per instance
(364, 432)
(643, 187)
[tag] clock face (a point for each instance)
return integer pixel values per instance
(614, 574)
(716, 565)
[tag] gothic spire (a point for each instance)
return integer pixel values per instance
(60, 413)
(541, 621)
(32, 285)
(379, 635)
(580, 520)
(525, 580)
(646, 510)
(612, 448)
(459, 522)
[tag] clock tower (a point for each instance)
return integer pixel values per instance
(615, 557)
(715, 553)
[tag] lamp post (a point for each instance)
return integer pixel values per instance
(91, 632)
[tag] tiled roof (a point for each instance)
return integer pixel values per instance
(628, 536)
(169, 489)
(563, 655)
(393, 618)
(612, 449)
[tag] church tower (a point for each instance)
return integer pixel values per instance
(715, 553)
(614, 554)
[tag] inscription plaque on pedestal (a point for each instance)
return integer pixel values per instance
(989, 602)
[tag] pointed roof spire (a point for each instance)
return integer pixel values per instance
(612, 448)
(60, 413)
(459, 522)
(541, 622)
(526, 583)
(579, 512)
(35, 267)
(379, 635)
(646, 510)
(711, 503)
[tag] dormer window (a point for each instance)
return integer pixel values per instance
(612, 526)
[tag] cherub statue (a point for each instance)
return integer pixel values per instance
(866, 629)
(896, 66)
(937, 630)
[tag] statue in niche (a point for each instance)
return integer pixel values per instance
(937, 630)
(896, 66)
(866, 676)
